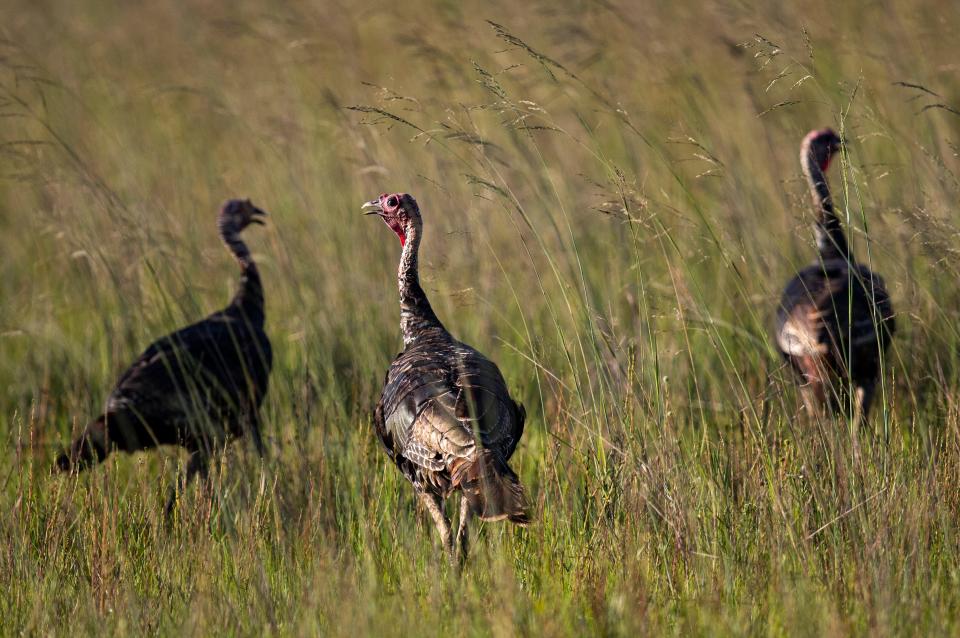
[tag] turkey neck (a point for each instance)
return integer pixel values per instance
(416, 315)
(249, 296)
(831, 242)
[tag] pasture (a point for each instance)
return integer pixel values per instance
(612, 203)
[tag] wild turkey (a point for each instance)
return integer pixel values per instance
(445, 416)
(835, 318)
(197, 387)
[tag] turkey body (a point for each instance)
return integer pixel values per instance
(444, 406)
(445, 416)
(834, 323)
(197, 387)
(835, 318)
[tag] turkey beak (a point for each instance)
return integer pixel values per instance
(372, 208)
(257, 215)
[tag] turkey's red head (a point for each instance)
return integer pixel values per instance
(822, 144)
(397, 210)
(237, 214)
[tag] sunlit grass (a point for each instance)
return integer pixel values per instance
(612, 201)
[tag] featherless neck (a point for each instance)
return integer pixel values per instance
(831, 241)
(249, 296)
(416, 314)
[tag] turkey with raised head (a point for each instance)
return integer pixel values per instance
(445, 416)
(198, 387)
(835, 319)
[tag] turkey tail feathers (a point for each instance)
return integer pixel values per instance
(493, 491)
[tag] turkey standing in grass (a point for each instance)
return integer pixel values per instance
(835, 318)
(198, 387)
(445, 416)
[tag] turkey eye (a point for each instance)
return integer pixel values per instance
(392, 202)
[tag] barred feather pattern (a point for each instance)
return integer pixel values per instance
(442, 403)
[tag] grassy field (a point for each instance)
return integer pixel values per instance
(612, 200)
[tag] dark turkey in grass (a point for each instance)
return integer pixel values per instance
(198, 387)
(835, 319)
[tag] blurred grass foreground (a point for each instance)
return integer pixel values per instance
(612, 200)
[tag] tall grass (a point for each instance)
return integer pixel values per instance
(612, 199)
